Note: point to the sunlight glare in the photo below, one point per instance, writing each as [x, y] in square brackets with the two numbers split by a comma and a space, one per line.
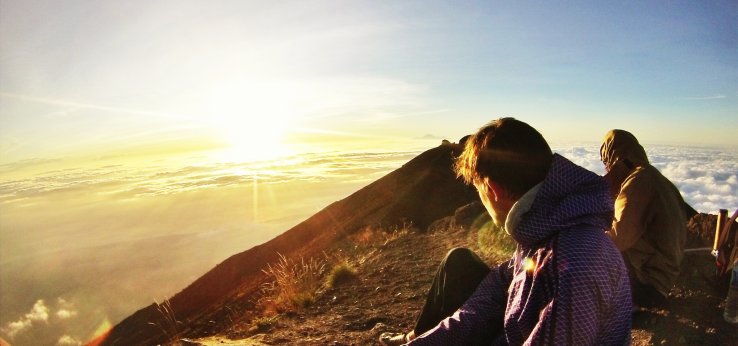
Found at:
[252, 121]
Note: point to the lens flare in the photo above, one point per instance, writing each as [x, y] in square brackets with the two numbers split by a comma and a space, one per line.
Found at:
[101, 333]
[529, 264]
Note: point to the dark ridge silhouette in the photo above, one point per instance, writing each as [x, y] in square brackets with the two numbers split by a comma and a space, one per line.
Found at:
[420, 192]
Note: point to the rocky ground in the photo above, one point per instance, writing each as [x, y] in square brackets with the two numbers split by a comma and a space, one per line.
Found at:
[386, 294]
[394, 274]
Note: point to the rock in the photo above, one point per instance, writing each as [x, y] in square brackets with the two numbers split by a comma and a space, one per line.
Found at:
[379, 328]
[466, 215]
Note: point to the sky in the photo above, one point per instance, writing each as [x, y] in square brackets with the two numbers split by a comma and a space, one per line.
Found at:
[173, 128]
[91, 77]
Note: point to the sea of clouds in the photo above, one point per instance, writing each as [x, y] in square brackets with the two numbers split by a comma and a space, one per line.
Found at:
[124, 181]
[706, 177]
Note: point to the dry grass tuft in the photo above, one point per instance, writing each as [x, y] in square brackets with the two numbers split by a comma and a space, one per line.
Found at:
[294, 284]
[375, 235]
[169, 325]
[341, 272]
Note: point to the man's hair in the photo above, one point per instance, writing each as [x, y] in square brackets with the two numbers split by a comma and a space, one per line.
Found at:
[509, 152]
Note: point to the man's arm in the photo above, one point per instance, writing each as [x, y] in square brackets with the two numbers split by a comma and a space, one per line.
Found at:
[480, 317]
[631, 209]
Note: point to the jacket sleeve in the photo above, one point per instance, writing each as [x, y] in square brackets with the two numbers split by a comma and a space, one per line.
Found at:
[479, 318]
[631, 210]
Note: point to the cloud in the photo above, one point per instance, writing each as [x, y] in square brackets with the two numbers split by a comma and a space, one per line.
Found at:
[16, 327]
[67, 340]
[712, 97]
[65, 314]
[39, 313]
[587, 156]
[19, 165]
[707, 178]
[65, 310]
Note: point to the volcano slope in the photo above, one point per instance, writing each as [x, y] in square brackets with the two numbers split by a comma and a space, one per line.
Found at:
[394, 233]
[421, 191]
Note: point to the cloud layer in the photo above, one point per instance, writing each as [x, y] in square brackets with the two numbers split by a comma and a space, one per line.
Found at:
[707, 178]
[131, 182]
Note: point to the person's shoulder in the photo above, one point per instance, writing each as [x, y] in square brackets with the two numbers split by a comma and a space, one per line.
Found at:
[642, 178]
[649, 178]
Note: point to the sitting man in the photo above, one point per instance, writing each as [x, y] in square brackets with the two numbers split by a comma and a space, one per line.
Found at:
[566, 282]
[650, 226]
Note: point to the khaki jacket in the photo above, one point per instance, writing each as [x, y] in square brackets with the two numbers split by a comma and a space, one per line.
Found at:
[650, 225]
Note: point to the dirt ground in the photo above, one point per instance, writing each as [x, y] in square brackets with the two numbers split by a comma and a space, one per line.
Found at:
[393, 279]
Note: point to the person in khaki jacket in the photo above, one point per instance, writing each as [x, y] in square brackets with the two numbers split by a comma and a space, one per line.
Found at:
[650, 222]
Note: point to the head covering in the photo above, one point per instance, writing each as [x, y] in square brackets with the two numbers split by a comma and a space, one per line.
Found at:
[619, 145]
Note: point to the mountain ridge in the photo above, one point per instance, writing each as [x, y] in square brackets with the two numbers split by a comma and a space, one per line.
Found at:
[420, 192]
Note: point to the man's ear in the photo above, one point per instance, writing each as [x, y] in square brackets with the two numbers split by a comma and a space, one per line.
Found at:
[494, 190]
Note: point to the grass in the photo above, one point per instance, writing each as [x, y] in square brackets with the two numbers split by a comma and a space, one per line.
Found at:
[374, 235]
[341, 272]
[398, 231]
[294, 284]
[169, 325]
[263, 324]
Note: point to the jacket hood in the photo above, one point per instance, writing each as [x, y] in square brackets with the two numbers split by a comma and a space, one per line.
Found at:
[570, 197]
[619, 145]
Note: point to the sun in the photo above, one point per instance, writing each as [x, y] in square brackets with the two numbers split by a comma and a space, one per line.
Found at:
[253, 123]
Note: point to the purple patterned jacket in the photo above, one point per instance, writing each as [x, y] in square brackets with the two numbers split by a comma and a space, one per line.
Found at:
[566, 283]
